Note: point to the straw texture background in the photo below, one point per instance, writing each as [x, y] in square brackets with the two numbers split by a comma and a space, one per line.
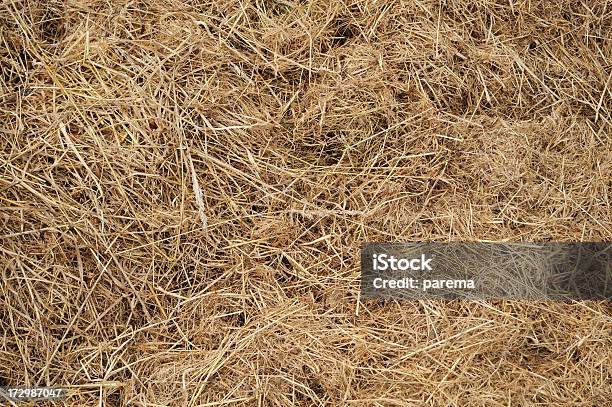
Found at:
[184, 187]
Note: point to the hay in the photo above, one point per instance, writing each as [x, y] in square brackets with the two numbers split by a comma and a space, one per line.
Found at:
[184, 187]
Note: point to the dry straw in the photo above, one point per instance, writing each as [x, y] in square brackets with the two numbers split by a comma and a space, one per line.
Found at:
[143, 274]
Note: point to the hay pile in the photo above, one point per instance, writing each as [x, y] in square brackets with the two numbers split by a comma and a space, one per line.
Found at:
[184, 187]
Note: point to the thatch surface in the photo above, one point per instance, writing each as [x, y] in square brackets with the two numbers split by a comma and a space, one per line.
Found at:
[184, 189]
